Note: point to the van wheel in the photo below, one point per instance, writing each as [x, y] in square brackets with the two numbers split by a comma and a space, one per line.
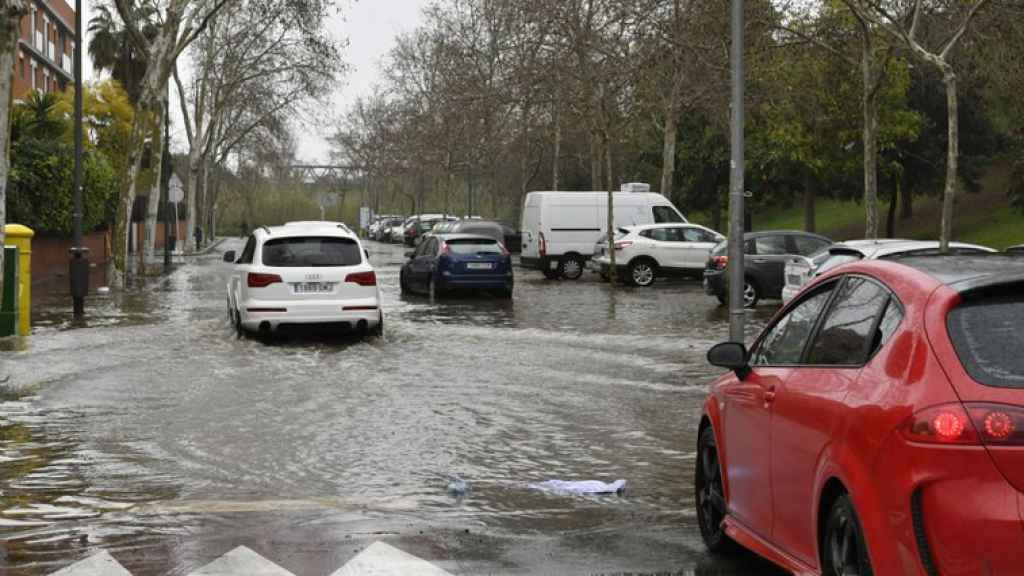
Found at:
[642, 272]
[572, 267]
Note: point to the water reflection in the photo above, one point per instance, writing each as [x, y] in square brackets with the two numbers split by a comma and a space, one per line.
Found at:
[170, 425]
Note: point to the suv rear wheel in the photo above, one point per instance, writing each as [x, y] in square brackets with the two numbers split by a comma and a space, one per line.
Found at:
[642, 272]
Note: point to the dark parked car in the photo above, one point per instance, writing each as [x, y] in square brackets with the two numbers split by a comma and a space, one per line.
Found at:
[1017, 250]
[445, 263]
[766, 254]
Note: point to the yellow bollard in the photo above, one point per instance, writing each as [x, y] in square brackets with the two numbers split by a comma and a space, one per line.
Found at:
[21, 236]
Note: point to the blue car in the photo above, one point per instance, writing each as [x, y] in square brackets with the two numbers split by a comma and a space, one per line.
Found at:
[445, 263]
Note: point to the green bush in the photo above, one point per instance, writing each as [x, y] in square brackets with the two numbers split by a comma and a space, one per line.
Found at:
[39, 188]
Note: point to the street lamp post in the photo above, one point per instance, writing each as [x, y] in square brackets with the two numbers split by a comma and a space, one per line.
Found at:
[78, 271]
[736, 188]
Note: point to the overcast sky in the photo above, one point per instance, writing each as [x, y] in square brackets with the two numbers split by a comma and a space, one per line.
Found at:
[370, 27]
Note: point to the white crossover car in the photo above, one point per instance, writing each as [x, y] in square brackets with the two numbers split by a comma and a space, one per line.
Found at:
[801, 270]
[303, 273]
[643, 253]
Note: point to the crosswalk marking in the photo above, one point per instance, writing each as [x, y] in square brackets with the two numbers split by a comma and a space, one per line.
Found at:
[101, 564]
[240, 561]
[380, 559]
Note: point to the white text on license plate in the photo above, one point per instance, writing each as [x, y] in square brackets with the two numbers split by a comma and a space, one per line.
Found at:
[479, 266]
[313, 287]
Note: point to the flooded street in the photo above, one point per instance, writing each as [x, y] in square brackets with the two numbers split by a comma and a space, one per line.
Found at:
[151, 432]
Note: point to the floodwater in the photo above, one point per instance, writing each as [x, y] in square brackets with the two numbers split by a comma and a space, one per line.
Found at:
[150, 431]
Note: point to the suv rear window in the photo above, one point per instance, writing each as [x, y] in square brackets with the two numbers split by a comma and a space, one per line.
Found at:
[469, 246]
[311, 251]
[987, 336]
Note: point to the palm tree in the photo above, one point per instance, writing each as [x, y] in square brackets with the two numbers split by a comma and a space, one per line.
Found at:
[111, 47]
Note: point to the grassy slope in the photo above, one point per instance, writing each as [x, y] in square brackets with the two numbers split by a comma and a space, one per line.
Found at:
[982, 218]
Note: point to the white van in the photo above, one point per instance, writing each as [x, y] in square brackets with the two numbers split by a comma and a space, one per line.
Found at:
[561, 228]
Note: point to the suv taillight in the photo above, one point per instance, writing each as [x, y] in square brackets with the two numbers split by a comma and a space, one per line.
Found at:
[972, 423]
[362, 278]
[623, 244]
[261, 280]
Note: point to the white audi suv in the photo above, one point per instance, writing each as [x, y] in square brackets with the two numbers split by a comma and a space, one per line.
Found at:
[303, 273]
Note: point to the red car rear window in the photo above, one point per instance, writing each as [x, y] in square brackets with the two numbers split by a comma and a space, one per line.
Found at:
[989, 340]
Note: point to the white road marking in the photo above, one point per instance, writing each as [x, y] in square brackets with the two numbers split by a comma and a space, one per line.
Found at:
[101, 564]
[241, 561]
[380, 559]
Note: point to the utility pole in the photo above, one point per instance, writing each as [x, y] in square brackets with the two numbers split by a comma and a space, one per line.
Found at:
[736, 186]
[78, 267]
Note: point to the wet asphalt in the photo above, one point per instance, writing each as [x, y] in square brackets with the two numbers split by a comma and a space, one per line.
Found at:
[150, 431]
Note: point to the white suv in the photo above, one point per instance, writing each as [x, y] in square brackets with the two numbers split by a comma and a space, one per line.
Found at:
[303, 273]
[643, 253]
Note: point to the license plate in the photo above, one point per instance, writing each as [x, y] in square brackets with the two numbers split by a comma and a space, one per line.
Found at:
[479, 266]
[312, 287]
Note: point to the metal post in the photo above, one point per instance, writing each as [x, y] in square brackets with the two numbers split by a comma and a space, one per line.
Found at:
[165, 182]
[78, 267]
[736, 268]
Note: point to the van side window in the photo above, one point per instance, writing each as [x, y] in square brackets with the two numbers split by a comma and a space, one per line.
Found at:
[666, 214]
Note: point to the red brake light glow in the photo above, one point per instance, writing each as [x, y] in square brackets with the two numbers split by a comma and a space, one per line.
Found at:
[261, 280]
[720, 262]
[998, 425]
[981, 423]
[362, 278]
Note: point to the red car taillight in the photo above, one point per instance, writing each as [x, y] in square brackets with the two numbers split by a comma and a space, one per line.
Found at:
[623, 244]
[445, 249]
[362, 278]
[979, 423]
[261, 280]
[720, 262]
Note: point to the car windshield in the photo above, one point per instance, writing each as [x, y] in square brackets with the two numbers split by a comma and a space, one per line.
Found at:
[470, 246]
[987, 337]
[310, 251]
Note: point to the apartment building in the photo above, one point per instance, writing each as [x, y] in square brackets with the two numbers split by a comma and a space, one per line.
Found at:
[45, 49]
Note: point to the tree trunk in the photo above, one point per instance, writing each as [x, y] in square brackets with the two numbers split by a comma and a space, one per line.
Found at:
[809, 197]
[557, 154]
[153, 201]
[953, 153]
[869, 104]
[890, 222]
[607, 153]
[906, 200]
[10, 27]
[716, 209]
[122, 223]
[595, 161]
[668, 152]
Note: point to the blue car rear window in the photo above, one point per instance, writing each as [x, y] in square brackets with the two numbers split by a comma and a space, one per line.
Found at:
[471, 246]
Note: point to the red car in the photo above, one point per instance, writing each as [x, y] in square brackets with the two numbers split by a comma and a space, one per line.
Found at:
[876, 426]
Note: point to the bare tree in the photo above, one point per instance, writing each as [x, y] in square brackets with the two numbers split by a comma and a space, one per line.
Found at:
[11, 13]
[903, 21]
